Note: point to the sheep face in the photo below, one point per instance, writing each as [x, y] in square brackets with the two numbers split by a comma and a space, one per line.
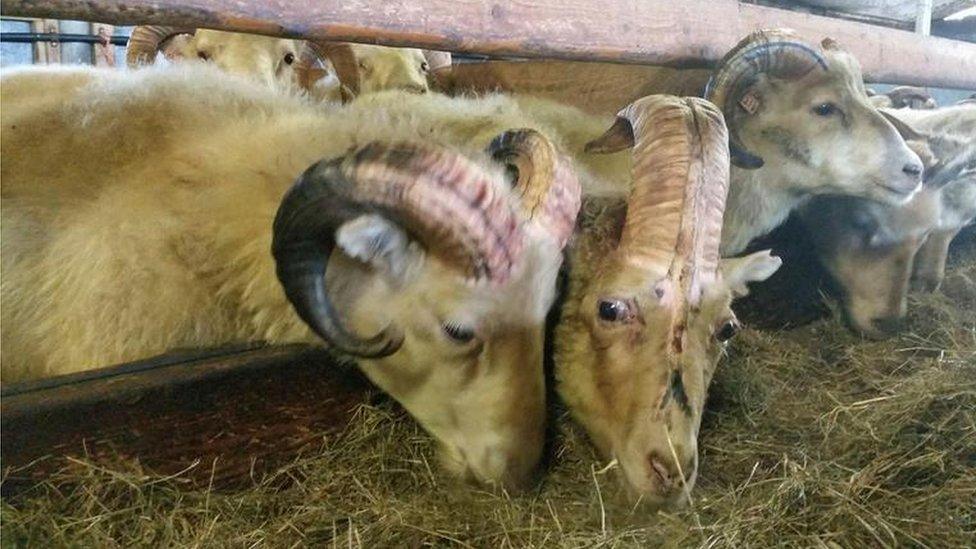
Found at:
[269, 60]
[874, 251]
[805, 113]
[648, 309]
[454, 269]
[381, 68]
[869, 249]
[470, 366]
[641, 402]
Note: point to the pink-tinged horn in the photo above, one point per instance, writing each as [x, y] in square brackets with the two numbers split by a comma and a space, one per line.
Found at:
[146, 40]
[776, 52]
[547, 185]
[439, 197]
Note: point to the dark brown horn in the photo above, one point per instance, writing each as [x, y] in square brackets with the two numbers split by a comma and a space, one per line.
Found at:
[910, 96]
[146, 40]
[438, 196]
[546, 184]
[776, 52]
[343, 60]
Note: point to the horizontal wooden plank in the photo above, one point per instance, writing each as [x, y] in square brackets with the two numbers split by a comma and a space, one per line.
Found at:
[691, 33]
[598, 88]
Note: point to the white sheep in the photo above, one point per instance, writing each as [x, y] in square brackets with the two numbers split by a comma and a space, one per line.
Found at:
[148, 235]
[327, 70]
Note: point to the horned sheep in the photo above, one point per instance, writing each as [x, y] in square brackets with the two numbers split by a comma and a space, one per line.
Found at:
[876, 252]
[800, 125]
[151, 235]
[647, 311]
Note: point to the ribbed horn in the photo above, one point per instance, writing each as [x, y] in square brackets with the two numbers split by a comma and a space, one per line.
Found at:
[343, 60]
[546, 184]
[680, 183]
[776, 52]
[146, 40]
[437, 196]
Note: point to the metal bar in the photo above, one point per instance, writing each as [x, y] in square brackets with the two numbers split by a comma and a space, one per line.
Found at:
[31, 37]
[923, 21]
[691, 33]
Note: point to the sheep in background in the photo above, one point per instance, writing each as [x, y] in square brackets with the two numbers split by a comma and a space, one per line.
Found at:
[800, 125]
[406, 248]
[327, 70]
[875, 251]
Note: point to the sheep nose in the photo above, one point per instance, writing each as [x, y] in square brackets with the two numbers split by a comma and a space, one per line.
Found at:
[666, 473]
[913, 169]
[889, 325]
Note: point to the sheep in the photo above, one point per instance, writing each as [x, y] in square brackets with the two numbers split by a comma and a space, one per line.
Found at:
[902, 97]
[352, 69]
[274, 61]
[876, 252]
[147, 236]
[647, 311]
[800, 125]
[801, 110]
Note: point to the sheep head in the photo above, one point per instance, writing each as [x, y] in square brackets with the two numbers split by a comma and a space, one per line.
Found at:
[872, 250]
[365, 68]
[648, 309]
[274, 61]
[804, 113]
[451, 270]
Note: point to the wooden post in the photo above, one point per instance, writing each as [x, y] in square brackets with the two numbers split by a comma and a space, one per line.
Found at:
[690, 33]
[923, 21]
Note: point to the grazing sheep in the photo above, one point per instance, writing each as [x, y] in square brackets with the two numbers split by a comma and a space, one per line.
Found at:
[402, 244]
[648, 307]
[874, 251]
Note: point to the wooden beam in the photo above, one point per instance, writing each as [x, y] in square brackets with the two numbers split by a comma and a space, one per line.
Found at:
[691, 33]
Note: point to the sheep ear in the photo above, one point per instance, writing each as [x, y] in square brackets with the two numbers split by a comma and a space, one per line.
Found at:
[738, 272]
[620, 136]
[907, 132]
[383, 245]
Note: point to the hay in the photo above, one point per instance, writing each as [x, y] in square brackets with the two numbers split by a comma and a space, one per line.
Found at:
[813, 438]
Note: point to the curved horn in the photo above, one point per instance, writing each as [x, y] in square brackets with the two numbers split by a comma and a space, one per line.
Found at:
[343, 60]
[146, 40]
[910, 96]
[776, 52]
[546, 184]
[680, 183]
[438, 196]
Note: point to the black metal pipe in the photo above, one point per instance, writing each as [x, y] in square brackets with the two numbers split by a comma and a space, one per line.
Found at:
[31, 37]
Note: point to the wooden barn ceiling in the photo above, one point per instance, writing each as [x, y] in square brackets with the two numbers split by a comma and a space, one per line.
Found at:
[901, 10]
[895, 13]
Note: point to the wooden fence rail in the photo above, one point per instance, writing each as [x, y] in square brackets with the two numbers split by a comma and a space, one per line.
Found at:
[690, 33]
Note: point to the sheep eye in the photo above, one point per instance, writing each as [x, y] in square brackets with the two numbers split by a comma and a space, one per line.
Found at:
[727, 331]
[825, 109]
[289, 58]
[613, 310]
[203, 55]
[459, 334]
[424, 66]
